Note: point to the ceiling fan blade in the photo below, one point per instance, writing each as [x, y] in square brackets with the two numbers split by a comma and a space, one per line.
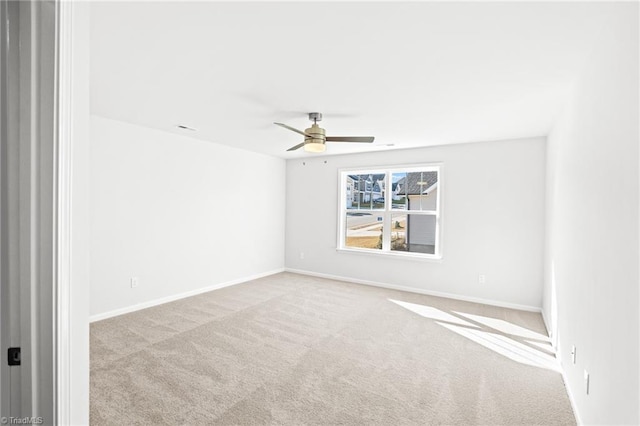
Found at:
[365, 139]
[292, 129]
[293, 148]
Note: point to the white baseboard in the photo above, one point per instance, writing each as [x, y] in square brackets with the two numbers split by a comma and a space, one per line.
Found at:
[418, 290]
[179, 296]
[547, 325]
[574, 407]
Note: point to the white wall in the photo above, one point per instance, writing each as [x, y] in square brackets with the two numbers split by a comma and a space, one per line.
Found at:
[591, 259]
[178, 213]
[493, 221]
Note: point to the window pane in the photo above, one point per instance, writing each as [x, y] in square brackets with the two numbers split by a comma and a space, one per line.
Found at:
[364, 230]
[415, 190]
[414, 233]
[364, 191]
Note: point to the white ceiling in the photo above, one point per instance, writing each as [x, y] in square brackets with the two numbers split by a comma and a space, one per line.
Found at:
[410, 74]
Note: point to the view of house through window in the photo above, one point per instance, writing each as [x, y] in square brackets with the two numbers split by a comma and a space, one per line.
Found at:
[391, 210]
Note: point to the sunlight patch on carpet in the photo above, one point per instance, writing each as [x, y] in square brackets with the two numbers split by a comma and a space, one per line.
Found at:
[505, 327]
[431, 313]
[507, 347]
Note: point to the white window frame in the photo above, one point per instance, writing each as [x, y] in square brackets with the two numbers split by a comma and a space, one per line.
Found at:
[388, 211]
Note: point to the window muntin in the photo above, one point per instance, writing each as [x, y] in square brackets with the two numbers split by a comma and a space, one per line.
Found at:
[391, 210]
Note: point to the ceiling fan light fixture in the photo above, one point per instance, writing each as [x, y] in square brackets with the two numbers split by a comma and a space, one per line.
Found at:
[314, 146]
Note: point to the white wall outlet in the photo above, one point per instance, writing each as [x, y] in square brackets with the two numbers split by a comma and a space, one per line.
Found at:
[573, 354]
[301, 255]
[482, 279]
[134, 282]
[586, 381]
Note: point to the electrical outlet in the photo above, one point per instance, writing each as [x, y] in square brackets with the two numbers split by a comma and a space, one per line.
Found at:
[586, 381]
[573, 354]
[482, 279]
[134, 282]
[301, 255]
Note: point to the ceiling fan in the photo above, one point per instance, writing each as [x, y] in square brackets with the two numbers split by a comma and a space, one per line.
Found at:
[315, 137]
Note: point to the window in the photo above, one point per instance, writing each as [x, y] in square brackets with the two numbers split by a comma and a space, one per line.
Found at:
[392, 210]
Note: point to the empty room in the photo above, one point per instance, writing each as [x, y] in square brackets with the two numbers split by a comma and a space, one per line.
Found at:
[410, 213]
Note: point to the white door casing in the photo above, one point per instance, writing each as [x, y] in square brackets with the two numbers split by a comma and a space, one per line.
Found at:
[28, 181]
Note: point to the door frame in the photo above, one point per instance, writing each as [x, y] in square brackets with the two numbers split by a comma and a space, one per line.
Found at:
[73, 217]
[29, 196]
[44, 200]
[63, 296]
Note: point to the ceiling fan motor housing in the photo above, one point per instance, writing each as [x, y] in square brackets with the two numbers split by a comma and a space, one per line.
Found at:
[317, 134]
[315, 143]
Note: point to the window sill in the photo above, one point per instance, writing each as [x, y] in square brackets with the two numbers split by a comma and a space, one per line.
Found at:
[407, 256]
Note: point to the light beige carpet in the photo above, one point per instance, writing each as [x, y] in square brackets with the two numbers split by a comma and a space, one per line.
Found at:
[291, 349]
